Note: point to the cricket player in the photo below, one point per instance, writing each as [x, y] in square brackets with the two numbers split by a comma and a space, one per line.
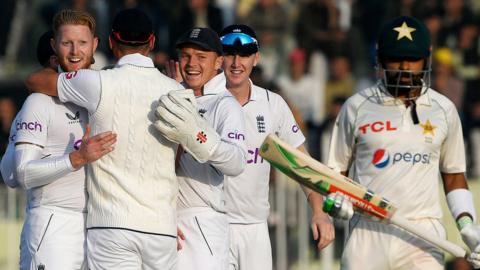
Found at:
[46, 57]
[132, 191]
[400, 138]
[201, 204]
[49, 150]
[247, 194]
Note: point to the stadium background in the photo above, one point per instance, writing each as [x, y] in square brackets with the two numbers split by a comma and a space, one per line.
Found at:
[315, 53]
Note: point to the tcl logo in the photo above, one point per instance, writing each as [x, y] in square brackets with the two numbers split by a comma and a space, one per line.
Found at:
[377, 127]
[254, 156]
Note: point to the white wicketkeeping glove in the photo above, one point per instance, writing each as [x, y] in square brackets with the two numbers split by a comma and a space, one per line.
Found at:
[180, 122]
[471, 236]
[338, 205]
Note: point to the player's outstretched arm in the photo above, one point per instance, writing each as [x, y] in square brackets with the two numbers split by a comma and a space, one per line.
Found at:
[460, 202]
[32, 169]
[321, 224]
[43, 81]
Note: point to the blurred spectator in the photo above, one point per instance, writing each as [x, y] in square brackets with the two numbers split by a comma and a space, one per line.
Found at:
[270, 21]
[318, 27]
[458, 264]
[444, 78]
[433, 21]
[7, 114]
[326, 128]
[341, 82]
[455, 14]
[195, 13]
[306, 93]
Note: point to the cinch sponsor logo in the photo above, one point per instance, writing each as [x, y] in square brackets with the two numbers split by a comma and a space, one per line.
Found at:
[77, 144]
[377, 126]
[34, 126]
[295, 128]
[236, 136]
[381, 158]
[254, 156]
[70, 75]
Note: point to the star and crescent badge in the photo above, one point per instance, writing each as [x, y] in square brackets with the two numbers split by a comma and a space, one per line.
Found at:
[428, 128]
[404, 31]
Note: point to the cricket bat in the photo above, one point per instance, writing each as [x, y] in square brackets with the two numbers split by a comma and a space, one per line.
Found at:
[320, 178]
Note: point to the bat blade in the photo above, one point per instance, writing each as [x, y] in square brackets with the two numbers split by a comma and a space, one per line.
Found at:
[320, 178]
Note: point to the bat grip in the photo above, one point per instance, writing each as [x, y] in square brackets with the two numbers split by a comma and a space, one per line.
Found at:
[446, 245]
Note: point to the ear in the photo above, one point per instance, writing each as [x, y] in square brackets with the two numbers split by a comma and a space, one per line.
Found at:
[110, 43]
[151, 43]
[95, 43]
[52, 44]
[218, 62]
[257, 59]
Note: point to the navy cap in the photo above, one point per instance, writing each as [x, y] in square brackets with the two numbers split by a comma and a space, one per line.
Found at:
[239, 38]
[132, 27]
[44, 49]
[206, 38]
[404, 37]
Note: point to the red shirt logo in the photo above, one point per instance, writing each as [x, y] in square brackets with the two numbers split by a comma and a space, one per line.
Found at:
[377, 126]
[70, 75]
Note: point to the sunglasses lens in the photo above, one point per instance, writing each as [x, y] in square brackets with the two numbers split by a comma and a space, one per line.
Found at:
[237, 38]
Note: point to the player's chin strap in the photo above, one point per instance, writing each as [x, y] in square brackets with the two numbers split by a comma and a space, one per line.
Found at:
[414, 113]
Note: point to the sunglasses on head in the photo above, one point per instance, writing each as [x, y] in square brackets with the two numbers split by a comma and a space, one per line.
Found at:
[235, 38]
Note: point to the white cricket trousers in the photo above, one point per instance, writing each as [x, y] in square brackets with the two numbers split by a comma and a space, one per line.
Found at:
[206, 239]
[250, 247]
[375, 246]
[123, 249]
[53, 238]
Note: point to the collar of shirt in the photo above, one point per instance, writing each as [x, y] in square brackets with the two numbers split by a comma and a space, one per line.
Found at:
[135, 59]
[254, 91]
[388, 99]
[216, 85]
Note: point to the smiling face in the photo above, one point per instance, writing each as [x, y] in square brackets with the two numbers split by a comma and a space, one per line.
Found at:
[238, 68]
[198, 66]
[74, 45]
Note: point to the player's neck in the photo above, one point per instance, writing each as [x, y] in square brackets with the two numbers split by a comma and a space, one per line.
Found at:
[241, 92]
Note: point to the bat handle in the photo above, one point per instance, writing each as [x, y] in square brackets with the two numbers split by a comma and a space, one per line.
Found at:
[446, 245]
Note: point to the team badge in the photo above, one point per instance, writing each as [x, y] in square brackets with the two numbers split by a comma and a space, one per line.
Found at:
[381, 157]
[404, 31]
[428, 128]
[261, 124]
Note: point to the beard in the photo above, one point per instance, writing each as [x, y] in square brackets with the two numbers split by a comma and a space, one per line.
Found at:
[403, 83]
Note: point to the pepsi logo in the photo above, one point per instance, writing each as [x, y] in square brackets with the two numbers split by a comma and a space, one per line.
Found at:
[381, 157]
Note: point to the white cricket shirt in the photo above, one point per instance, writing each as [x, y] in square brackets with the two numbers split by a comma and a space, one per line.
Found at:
[134, 187]
[247, 193]
[392, 156]
[7, 166]
[58, 128]
[201, 184]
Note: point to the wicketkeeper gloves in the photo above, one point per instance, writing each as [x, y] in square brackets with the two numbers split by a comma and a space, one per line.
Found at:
[180, 122]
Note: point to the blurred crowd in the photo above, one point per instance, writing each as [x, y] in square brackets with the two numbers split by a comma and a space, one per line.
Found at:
[316, 53]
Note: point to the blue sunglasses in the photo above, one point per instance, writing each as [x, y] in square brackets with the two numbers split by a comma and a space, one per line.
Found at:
[235, 38]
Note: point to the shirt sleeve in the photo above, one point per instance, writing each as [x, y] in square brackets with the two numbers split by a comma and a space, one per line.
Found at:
[32, 123]
[7, 165]
[452, 153]
[82, 88]
[287, 128]
[342, 142]
[230, 155]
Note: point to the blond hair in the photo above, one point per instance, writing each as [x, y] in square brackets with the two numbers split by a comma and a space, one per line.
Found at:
[75, 17]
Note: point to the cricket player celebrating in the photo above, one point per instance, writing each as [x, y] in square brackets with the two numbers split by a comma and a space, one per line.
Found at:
[247, 194]
[49, 152]
[132, 191]
[46, 57]
[399, 138]
[201, 204]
